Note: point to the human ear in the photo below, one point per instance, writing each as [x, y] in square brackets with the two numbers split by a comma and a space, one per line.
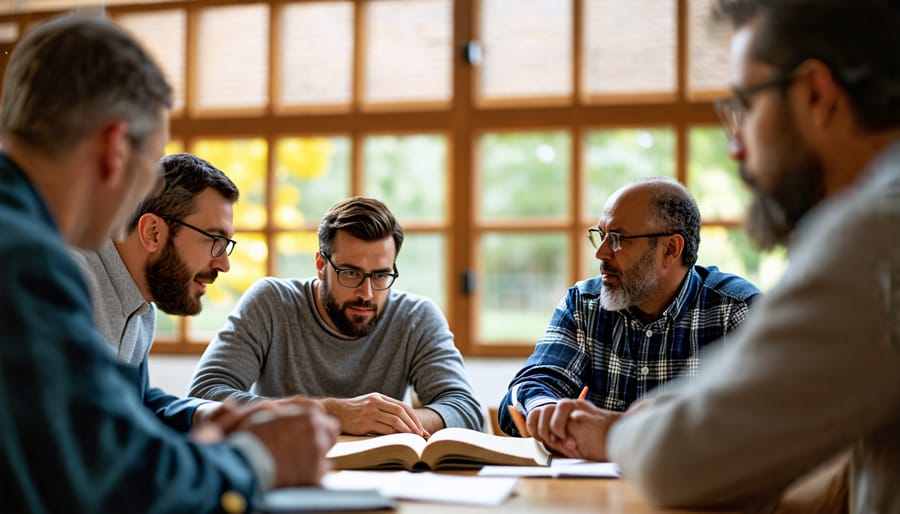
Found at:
[114, 154]
[152, 232]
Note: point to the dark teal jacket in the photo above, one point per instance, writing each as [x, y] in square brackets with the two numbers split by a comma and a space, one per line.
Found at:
[75, 435]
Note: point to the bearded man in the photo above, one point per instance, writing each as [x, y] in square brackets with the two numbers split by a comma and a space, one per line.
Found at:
[638, 324]
[177, 243]
[345, 338]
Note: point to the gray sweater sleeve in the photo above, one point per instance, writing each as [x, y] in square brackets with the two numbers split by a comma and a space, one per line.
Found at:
[237, 354]
[437, 373]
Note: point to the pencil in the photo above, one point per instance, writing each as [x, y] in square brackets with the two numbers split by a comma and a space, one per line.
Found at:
[519, 421]
[584, 392]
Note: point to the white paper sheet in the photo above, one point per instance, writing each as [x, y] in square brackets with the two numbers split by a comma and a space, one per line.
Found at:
[426, 486]
[559, 468]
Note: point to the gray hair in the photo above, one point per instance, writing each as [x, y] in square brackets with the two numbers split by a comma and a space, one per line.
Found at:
[70, 76]
[673, 209]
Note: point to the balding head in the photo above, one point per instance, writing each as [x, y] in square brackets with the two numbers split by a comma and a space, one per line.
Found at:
[664, 205]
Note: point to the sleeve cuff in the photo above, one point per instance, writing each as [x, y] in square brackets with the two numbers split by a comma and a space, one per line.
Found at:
[258, 456]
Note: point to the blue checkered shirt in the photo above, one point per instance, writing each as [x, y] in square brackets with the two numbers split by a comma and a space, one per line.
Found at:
[619, 358]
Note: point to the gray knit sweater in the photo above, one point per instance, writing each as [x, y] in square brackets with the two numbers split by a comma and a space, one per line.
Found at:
[275, 344]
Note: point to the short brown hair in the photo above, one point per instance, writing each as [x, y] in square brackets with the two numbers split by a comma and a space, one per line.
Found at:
[364, 218]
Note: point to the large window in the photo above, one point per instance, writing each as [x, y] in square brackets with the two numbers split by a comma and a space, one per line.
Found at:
[494, 129]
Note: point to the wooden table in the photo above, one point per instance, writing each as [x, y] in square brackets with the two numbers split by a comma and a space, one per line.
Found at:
[553, 496]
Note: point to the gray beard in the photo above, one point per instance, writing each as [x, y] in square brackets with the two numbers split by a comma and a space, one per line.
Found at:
[635, 285]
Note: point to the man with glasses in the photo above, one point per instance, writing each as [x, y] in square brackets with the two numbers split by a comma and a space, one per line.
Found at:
[345, 338]
[166, 262]
[638, 324]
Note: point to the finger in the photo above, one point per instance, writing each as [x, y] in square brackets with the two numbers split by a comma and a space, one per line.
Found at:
[400, 416]
[559, 420]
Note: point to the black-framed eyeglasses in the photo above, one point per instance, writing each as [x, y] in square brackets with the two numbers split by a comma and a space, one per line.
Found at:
[597, 236]
[731, 110]
[221, 245]
[353, 278]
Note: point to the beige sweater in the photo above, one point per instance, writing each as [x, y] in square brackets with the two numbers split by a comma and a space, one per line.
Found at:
[813, 372]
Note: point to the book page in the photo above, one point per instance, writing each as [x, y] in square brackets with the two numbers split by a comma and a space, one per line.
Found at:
[402, 450]
[460, 445]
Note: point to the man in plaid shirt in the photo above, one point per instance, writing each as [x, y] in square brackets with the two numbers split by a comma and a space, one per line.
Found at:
[638, 324]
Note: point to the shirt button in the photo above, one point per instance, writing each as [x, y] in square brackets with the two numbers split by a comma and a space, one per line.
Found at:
[645, 370]
[648, 333]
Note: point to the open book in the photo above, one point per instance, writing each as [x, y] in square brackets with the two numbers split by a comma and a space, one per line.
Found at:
[447, 448]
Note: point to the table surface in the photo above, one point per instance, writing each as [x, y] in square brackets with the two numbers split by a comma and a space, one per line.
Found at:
[553, 495]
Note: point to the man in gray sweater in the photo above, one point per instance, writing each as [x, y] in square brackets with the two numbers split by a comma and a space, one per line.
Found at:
[345, 338]
[814, 123]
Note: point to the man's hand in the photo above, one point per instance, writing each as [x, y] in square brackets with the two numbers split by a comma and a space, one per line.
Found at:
[298, 437]
[573, 428]
[214, 420]
[373, 413]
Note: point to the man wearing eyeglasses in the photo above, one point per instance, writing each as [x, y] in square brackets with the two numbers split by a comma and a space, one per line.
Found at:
[640, 323]
[345, 338]
[814, 124]
[166, 262]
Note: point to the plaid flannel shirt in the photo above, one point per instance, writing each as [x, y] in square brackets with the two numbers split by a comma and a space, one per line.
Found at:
[619, 358]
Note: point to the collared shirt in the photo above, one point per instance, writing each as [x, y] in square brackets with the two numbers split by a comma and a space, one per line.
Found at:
[617, 356]
[124, 317]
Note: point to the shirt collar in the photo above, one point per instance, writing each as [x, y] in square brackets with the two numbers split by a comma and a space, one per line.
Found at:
[126, 289]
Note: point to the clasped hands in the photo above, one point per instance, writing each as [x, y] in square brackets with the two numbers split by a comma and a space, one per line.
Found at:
[572, 428]
[296, 431]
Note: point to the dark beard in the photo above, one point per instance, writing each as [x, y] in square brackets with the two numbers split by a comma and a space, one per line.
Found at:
[169, 280]
[797, 186]
[355, 327]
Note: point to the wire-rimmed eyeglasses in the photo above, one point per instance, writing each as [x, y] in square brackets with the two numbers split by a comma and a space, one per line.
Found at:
[731, 110]
[597, 236]
[353, 278]
[221, 245]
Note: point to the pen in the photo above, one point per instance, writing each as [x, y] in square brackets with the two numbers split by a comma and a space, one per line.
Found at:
[519, 421]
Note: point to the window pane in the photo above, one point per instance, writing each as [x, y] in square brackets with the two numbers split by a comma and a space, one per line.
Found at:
[244, 162]
[166, 326]
[409, 47]
[524, 175]
[173, 146]
[709, 46]
[409, 174]
[523, 276]
[248, 263]
[733, 252]
[629, 46]
[615, 158]
[296, 254]
[316, 53]
[311, 174]
[168, 50]
[713, 177]
[423, 267]
[527, 49]
[233, 57]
